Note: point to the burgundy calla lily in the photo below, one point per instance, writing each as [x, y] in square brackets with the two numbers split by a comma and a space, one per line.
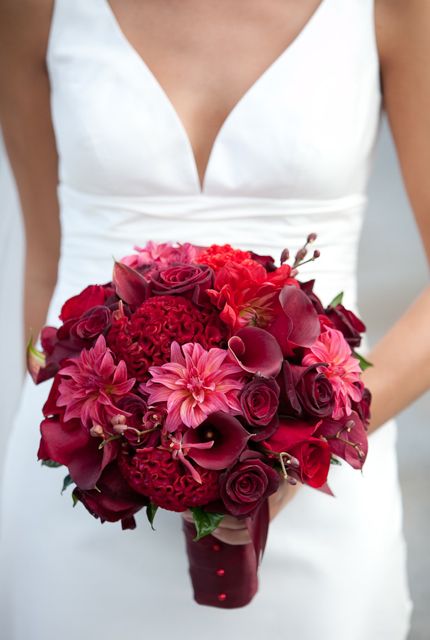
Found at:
[70, 444]
[130, 285]
[299, 324]
[256, 351]
[229, 440]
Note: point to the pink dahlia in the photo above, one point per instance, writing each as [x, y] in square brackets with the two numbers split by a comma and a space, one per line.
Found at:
[161, 253]
[91, 385]
[194, 384]
[343, 369]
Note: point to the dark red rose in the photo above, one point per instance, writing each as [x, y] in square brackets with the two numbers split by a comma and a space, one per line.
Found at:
[299, 441]
[113, 499]
[91, 296]
[244, 486]
[259, 400]
[92, 323]
[347, 438]
[347, 322]
[305, 391]
[187, 280]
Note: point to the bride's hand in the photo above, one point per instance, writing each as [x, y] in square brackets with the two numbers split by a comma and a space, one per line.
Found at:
[234, 530]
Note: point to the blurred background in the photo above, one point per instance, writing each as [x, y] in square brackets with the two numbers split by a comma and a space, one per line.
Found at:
[392, 271]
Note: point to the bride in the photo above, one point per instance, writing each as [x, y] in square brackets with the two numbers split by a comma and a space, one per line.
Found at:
[245, 122]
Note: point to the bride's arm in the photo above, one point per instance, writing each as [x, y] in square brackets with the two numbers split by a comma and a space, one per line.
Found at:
[26, 122]
[401, 371]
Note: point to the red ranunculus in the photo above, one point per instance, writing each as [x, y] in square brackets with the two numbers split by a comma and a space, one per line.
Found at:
[245, 485]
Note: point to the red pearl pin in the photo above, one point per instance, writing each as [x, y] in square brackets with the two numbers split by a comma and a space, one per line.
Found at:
[220, 572]
[216, 547]
[222, 597]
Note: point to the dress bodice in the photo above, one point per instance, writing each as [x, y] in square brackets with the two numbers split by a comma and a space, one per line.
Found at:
[293, 155]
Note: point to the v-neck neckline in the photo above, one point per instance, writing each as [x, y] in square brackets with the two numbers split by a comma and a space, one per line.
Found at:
[201, 186]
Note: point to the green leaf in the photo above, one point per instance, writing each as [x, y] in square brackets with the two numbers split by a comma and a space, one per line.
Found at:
[205, 522]
[151, 510]
[336, 300]
[66, 483]
[364, 364]
[51, 463]
[75, 499]
[335, 461]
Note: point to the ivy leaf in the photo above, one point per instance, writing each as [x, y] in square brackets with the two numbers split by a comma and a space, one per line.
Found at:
[336, 300]
[51, 464]
[335, 461]
[364, 364]
[151, 510]
[66, 483]
[205, 522]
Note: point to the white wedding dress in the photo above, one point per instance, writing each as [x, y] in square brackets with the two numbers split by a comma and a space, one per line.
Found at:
[293, 157]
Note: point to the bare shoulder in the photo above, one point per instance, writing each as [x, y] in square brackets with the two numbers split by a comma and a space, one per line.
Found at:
[402, 31]
[24, 30]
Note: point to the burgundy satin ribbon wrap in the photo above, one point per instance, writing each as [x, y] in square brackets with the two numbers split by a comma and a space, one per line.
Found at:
[225, 575]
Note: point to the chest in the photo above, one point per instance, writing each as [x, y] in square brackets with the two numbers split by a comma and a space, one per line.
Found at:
[287, 108]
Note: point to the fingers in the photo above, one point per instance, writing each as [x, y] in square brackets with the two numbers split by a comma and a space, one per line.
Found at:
[232, 536]
[231, 530]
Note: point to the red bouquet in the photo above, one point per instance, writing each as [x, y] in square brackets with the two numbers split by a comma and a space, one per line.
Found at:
[201, 378]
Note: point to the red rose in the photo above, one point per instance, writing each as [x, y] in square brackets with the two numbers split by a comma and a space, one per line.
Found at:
[187, 280]
[298, 440]
[247, 484]
[347, 322]
[259, 400]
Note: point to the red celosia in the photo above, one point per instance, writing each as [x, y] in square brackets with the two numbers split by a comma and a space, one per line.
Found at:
[166, 481]
[144, 339]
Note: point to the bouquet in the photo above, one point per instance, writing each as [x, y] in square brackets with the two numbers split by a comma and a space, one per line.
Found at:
[199, 379]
